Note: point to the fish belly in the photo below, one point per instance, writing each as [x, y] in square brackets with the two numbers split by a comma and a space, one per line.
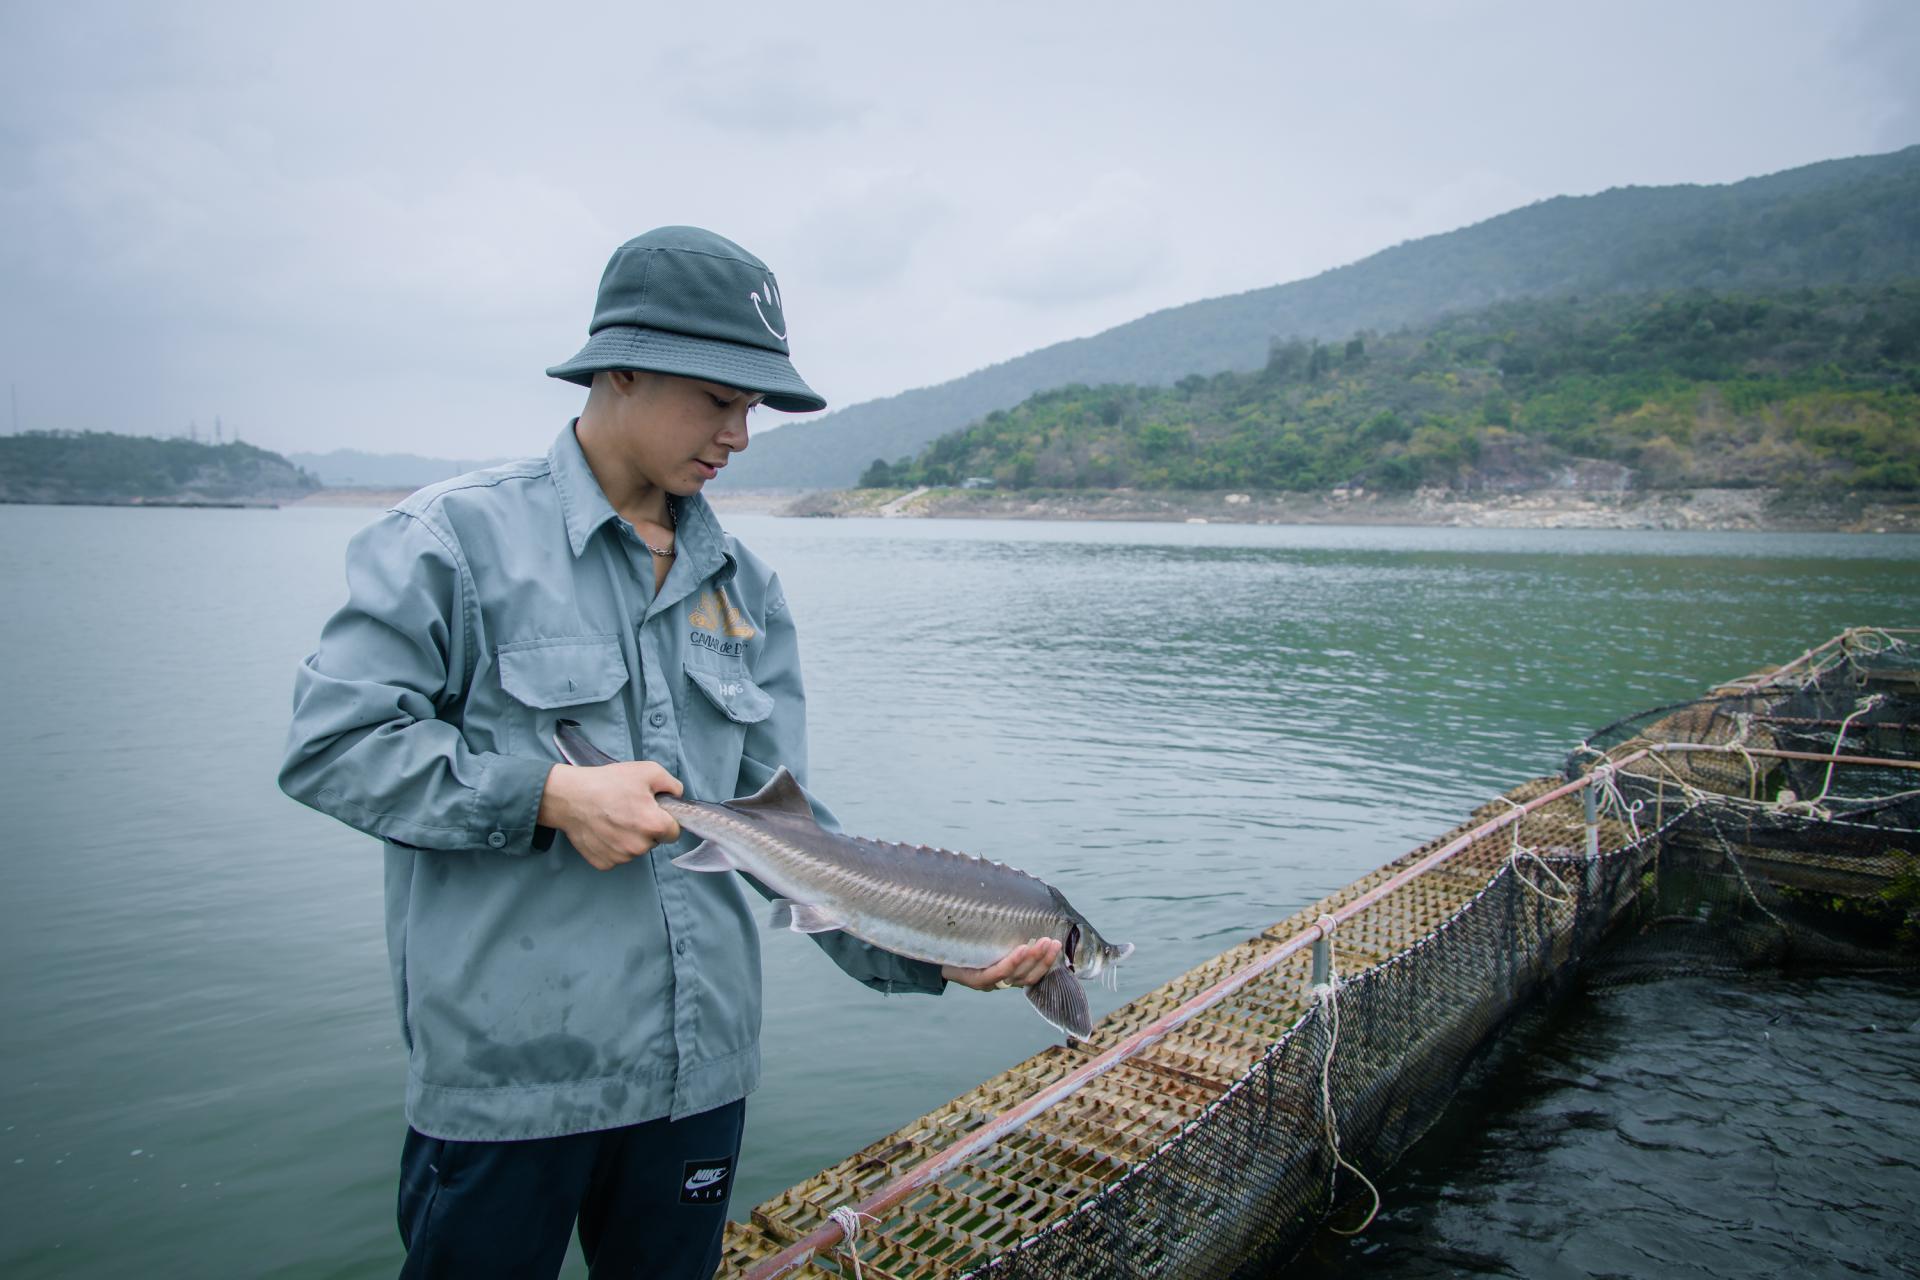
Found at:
[964, 943]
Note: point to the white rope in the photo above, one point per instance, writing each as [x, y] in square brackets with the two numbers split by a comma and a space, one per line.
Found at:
[847, 1218]
[1818, 669]
[1329, 999]
[1860, 708]
[1695, 796]
[1519, 851]
[1606, 778]
[1513, 860]
[1743, 722]
[1872, 641]
[1745, 883]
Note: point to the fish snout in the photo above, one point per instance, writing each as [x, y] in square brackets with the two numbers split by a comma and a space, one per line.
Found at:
[1095, 957]
[1110, 956]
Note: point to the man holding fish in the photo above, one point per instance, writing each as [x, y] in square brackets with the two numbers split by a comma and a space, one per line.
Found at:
[528, 657]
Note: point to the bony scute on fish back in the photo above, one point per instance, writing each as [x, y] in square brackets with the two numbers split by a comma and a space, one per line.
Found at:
[925, 903]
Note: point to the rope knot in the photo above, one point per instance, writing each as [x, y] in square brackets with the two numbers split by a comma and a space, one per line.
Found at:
[847, 1218]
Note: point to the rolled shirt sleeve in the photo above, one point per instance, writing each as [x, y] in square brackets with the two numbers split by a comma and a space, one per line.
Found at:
[781, 739]
[367, 744]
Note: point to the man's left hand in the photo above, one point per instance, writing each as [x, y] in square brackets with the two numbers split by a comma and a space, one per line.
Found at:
[1020, 967]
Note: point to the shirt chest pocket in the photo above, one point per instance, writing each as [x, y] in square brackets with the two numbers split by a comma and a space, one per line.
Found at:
[566, 678]
[722, 702]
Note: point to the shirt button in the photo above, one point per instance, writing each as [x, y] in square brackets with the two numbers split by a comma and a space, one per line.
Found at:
[497, 840]
[657, 719]
[680, 947]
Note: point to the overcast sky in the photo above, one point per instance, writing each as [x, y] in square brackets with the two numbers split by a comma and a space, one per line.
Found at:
[374, 225]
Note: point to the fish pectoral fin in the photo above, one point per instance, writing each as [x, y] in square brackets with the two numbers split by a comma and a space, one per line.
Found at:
[1060, 999]
[781, 795]
[803, 917]
[705, 856]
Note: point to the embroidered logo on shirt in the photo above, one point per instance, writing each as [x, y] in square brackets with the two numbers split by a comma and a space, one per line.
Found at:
[705, 1181]
[714, 612]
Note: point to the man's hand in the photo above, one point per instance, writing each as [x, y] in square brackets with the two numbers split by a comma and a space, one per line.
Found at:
[608, 810]
[1020, 967]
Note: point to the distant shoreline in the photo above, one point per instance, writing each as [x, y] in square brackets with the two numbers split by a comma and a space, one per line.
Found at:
[239, 504]
[1725, 510]
[353, 497]
[1720, 510]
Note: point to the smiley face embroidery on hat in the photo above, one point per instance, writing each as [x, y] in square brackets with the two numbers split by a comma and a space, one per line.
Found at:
[669, 302]
[772, 300]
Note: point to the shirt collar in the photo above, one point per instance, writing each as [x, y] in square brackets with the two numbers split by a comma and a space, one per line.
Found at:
[586, 508]
[698, 538]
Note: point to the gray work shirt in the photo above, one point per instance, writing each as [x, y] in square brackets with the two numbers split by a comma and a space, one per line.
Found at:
[538, 996]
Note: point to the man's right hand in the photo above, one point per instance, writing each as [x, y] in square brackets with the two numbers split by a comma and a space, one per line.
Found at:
[608, 811]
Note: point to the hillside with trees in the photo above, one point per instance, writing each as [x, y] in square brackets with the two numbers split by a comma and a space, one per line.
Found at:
[104, 467]
[1808, 388]
[1853, 221]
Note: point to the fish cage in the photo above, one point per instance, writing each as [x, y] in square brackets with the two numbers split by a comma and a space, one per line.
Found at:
[1214, 1124]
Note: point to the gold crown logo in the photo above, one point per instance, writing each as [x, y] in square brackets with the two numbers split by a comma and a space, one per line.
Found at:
[714, 612]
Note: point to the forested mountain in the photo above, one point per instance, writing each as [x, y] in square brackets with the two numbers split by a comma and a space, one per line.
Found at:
[1815, 388]
[102, 466]
[1841, 221]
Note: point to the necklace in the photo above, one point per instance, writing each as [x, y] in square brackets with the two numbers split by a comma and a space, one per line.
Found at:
[673, 526]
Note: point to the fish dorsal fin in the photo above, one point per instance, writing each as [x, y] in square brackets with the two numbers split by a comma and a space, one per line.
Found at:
[781, 795]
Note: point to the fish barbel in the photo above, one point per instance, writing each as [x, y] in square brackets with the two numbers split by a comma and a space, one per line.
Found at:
[915, 901]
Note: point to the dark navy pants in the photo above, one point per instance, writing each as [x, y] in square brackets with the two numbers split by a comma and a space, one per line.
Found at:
[650, 1200]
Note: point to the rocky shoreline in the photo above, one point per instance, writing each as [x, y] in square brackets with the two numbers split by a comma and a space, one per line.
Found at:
[1700, 509]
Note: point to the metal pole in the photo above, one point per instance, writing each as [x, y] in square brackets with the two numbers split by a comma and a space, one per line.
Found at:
[1591, 803]
[1768, 753]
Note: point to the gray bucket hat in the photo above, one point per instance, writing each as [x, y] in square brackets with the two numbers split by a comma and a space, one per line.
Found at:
[686, 301]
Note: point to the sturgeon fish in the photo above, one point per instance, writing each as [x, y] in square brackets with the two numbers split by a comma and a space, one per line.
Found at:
[915, 901]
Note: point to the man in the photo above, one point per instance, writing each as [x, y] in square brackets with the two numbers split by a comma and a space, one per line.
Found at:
[581, 1016]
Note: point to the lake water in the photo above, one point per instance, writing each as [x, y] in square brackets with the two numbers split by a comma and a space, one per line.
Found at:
[1194, 730]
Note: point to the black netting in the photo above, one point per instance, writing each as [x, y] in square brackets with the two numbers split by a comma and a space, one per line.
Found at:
[1862, 700]
[1252, 1178]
